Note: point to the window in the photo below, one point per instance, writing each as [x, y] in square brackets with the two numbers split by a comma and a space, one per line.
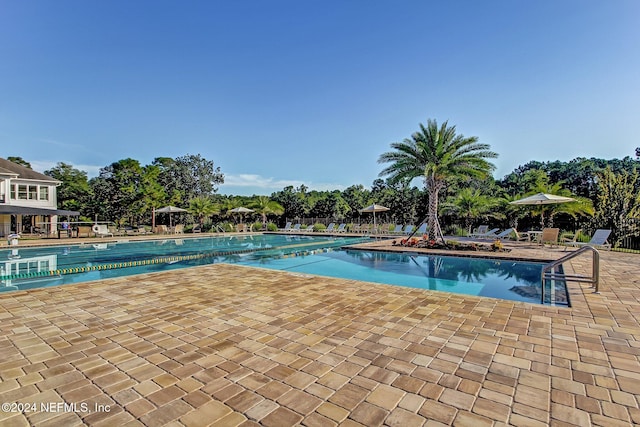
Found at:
[13, 192]
[44, 193]
[33, 192]
[22, 192]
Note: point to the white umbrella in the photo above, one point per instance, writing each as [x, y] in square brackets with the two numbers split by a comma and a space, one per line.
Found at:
[241, 210]
[170, 210]
[374, 208]
[542, 199]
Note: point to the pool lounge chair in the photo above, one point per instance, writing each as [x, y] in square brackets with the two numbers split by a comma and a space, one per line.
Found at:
[287, 227]
[330, 228]
[296, 228]
[599, 240]
[482, 229]
[397, 229]
[101, 230]
[486, 235]
[422, 229]
[408, 229]
[506, 234]
[341, 228]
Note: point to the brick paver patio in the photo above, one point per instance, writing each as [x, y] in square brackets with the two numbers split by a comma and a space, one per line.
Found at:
[229, 345]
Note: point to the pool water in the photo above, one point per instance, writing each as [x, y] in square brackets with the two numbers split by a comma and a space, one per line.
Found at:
[318, 255]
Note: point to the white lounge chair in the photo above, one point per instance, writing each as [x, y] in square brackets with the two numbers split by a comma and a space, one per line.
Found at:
[287, 227]
[408, 229]
[422, 229]
[486, 235]
[101, 230]
[482, 229]
[330, 228]
[397, 229]
[599, 239]
[341, 228]
[295, 228]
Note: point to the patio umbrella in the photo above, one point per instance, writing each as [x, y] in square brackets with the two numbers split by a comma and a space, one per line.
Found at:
[542, 199]
[241, 210]
[170, 210]
[374, 208]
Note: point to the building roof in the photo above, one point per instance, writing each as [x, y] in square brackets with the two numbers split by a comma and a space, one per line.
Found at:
[23, 172]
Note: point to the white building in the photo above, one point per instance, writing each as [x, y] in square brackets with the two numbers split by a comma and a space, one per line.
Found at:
[28, 201]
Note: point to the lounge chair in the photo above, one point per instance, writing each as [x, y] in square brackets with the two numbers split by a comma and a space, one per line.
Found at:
[569, 238]
[599, 239]
[486, 235]
[506, 234]
[196, 229]
[408, 229]
[330, 228]
[287, 227]
[341, 228]
[519, 237]
[178, 229]
[295, 228]
[397, 229]
[422, 229]
[482, 229]
[550, 236]
[309, 229]
[101, 230]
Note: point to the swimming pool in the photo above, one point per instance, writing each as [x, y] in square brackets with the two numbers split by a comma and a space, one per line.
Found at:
[28, 268]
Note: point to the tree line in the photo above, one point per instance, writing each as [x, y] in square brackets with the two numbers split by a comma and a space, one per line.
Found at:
[457, 191]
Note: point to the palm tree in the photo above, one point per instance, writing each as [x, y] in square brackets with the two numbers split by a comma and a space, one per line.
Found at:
[471, 204]
[437, 154]
[264, 206]
[582, 205]
[202, 207]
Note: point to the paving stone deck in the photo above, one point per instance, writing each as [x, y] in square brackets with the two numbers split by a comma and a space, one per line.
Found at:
[235, 346]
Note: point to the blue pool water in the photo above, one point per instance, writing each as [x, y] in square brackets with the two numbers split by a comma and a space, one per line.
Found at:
[50, 266]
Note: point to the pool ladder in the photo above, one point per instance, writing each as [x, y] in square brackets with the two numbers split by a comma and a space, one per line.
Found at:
[594, 279]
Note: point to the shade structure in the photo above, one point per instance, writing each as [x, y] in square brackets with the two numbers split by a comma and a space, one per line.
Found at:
[170, 210]
[542, 199]
[373, 209]
[241, 210]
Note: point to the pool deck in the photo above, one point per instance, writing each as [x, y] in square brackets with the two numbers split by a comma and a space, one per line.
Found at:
[229, 345]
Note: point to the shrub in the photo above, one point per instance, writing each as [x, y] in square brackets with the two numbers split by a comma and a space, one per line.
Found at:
[272, 227]
[319, 227]
[257, 226]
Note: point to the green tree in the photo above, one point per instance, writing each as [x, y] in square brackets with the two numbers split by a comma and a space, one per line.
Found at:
[19, 161]
[264, 206]
[188, 177]
[74, 192]
[437, 154]
[470, 204]
[618, 201]
[202, 207]
[117, 191]
[538, 182]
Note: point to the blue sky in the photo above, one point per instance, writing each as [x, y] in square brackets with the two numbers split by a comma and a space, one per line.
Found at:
[283, 93]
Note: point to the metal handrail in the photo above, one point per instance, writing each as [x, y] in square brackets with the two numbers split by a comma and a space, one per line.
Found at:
[594, 279]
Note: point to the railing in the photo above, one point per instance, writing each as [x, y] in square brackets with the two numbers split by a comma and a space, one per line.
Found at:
[594, 279]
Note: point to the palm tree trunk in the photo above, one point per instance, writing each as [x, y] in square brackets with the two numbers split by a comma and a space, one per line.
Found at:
[433, 225]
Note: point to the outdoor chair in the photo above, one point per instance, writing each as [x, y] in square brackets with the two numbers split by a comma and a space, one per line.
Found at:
[330, 228]
[482, 229]
[408, 229]
[486, 235]
[570, 238]
[101, 230]
[397, 229]
[599, 239]
[341, 228]
[422, 230]
[287, 227]
[550, 236]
